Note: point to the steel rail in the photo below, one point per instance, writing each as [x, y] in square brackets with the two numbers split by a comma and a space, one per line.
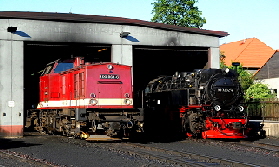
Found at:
[174, 157]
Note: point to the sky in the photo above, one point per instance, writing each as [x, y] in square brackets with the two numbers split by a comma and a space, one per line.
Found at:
[240, 18]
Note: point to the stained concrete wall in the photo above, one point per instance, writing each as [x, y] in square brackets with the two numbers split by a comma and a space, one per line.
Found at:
[122, 54]
[11, 53]
[11, 88]
[34, 30]
[50, 31]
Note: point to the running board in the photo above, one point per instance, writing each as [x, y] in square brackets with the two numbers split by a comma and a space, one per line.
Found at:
[101, 138]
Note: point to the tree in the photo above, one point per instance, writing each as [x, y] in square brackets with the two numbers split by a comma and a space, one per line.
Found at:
[177, 12]
[245, 77]
[258, 91]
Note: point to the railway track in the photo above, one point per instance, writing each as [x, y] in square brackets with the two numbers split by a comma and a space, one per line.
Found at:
[266, 148]
[173, 157]
[262, 147]
[166, 155]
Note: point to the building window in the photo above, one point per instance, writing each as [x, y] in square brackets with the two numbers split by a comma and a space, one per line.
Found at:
[273, 91]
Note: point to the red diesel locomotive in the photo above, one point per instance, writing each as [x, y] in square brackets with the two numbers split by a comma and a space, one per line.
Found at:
[79, 98]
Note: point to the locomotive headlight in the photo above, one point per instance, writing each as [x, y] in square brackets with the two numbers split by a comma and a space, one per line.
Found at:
[241, 108]
[92, 95]
[217, 108]
[110, 67]
[128, 101]
[227, 70]
[93, 102]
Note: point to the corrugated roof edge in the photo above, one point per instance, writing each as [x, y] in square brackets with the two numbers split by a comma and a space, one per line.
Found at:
[69, 17]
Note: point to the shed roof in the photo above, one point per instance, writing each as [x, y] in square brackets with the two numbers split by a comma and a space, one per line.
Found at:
[251, 52]
[69, 17]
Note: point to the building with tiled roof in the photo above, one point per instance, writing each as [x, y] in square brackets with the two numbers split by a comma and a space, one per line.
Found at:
[251, 53]
[269, 73]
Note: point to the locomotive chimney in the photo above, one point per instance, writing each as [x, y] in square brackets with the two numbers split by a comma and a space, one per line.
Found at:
[235, 65]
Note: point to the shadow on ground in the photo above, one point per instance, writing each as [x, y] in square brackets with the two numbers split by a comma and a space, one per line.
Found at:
[10, 143]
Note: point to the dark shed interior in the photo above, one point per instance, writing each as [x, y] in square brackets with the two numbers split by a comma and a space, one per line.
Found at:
[148, 62]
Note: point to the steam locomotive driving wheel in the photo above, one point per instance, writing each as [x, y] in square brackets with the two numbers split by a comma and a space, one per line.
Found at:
[193, 123]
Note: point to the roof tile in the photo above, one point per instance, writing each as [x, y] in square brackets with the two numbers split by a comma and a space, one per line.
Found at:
[249, 52]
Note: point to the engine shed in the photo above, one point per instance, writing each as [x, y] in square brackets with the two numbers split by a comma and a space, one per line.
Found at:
[30, 40]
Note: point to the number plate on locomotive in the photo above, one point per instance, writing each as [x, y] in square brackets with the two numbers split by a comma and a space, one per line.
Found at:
[109, 76]
[225, 90]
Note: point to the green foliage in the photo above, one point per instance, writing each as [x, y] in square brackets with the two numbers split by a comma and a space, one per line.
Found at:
[177, 12]
[245, 77]
[258, 91]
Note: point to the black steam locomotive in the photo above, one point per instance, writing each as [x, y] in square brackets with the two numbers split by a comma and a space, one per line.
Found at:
[207, 101]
